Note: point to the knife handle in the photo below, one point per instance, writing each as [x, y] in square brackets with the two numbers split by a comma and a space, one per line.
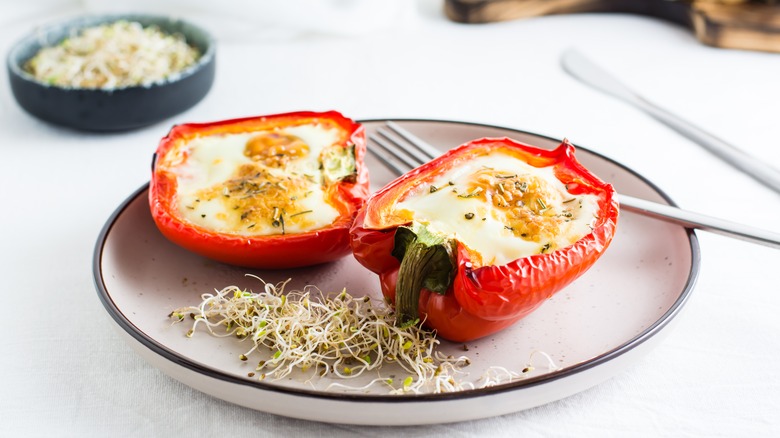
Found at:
[758, 170]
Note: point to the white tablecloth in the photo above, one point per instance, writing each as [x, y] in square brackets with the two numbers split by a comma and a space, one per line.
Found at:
[67, 373]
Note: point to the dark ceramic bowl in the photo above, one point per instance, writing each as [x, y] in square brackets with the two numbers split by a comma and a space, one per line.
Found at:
[118, 109]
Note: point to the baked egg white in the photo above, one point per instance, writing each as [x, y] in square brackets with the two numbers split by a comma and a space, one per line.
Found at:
[256, 183]
[501, 208]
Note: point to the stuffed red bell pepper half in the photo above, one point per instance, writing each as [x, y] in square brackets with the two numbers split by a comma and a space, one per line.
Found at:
[275, 191]
[478, 238]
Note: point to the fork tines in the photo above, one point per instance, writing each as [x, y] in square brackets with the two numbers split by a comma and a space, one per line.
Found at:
[399, 149]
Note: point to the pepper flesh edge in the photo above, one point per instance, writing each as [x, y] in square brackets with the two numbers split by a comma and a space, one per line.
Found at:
[486, 299]
[263, 251]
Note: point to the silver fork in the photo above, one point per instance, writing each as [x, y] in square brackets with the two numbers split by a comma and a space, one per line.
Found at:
[401, 151]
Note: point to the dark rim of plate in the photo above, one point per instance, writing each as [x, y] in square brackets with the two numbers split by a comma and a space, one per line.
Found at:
[182, 361]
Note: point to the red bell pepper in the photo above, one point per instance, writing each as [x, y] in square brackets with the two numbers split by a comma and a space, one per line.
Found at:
[345, 188]
[440, 281]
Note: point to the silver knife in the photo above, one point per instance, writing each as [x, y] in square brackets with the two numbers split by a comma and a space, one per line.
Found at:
[577, 65]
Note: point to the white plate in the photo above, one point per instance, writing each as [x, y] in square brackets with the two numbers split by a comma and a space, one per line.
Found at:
[593, 329]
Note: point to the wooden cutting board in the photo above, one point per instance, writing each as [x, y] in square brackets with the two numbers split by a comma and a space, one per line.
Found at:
[734, 24]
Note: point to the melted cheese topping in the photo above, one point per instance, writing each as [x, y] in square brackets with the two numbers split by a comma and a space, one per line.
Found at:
[502, 209]
[255, 183]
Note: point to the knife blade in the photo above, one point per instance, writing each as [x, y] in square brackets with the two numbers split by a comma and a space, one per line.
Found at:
[580, 67]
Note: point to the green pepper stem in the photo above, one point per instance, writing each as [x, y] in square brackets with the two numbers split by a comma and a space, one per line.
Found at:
[415, 267]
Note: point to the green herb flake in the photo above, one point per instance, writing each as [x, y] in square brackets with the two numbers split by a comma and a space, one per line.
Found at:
[472, 194]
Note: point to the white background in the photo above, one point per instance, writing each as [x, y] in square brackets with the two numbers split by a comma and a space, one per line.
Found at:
[67, 373]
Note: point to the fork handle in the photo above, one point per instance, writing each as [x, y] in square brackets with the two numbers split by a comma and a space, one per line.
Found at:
[651, 209]
[703, 222]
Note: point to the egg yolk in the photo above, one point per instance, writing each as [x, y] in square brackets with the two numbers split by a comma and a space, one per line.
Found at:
[275, 149]
[529, 203]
